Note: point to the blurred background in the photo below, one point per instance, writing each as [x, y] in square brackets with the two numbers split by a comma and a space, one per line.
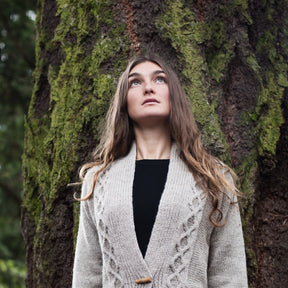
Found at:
[17, 38]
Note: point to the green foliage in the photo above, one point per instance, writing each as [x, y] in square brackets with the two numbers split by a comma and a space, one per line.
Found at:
[12, 274]
[16, 65]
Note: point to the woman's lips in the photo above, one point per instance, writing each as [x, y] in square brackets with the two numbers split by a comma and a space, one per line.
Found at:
[150, 100]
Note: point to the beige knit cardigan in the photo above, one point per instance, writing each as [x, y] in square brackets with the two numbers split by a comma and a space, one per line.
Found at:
[185, 249]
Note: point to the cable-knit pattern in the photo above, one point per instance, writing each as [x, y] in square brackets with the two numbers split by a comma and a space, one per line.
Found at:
[183, 247]
[111, 271]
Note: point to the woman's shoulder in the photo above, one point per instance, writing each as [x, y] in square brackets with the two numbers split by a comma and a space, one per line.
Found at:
[229, 196]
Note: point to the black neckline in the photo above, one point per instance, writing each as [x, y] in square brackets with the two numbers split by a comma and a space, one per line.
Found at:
[152, 160]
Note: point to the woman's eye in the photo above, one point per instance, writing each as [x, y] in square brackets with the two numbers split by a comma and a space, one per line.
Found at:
[160, 80]
[134, 83]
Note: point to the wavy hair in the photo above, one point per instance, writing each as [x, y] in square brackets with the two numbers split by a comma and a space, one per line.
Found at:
[118, 135]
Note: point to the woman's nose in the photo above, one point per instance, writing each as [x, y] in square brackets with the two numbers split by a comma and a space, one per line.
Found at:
[148, 88]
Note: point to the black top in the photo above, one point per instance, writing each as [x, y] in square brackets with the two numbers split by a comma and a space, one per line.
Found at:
[149, 181]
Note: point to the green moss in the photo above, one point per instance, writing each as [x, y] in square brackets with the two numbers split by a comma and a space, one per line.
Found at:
[221, 45]
[282, 80]
[246, 172]
[253, 64]
[178, 25]
[33, 165]
[76, 212]
[217, 65]
[186, 36]
[270, 121]
[80, 92]
[268, 111]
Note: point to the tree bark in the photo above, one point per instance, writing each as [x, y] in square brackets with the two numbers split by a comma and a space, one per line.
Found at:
[231, 57]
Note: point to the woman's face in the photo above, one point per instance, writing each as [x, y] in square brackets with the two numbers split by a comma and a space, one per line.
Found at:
[148, 94]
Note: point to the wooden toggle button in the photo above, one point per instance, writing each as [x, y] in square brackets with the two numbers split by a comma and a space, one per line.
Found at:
[143, 280]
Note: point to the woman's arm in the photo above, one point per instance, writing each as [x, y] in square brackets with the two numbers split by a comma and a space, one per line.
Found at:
[227, 263]
[87, 271]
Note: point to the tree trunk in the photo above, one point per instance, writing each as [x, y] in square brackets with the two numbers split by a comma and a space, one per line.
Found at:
[231, 57]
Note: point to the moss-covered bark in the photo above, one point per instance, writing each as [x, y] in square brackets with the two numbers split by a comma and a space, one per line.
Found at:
[74, 79]
[231, 57]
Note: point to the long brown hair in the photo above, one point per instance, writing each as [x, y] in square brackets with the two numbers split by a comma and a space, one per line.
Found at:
[118, 135]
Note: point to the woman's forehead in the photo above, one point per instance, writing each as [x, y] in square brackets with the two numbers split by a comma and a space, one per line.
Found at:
[145, 67]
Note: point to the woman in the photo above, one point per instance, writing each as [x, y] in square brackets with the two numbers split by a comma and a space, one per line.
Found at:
[158, 210]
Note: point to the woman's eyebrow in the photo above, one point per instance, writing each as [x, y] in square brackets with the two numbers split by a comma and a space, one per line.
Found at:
[156, 72]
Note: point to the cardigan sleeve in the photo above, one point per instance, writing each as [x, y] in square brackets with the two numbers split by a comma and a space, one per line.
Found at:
[227, 263]
[87, 270]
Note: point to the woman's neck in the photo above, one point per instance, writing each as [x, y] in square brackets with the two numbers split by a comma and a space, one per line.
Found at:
[153, 143]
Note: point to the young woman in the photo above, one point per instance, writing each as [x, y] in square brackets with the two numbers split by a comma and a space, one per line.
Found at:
[157, 210]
